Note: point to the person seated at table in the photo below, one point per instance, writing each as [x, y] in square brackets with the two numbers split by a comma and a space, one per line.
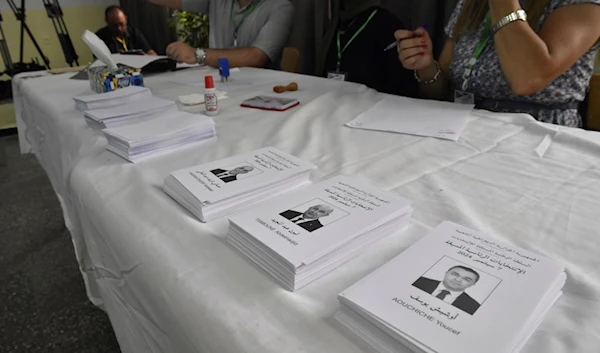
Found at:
[537, 59]
[249, 33]
[356, 51]
[119, 37]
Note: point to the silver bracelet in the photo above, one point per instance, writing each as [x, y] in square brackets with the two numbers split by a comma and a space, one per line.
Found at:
[435, 78]
[519, 15]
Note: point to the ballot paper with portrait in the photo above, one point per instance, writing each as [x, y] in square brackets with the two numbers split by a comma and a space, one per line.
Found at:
[301, 236]
[219, 188]
[454, 291]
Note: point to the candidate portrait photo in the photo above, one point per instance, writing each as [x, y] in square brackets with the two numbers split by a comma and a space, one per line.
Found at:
[313, 215]
[234, 174]
[457, 284]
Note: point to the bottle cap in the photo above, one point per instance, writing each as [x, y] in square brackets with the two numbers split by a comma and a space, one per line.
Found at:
[208, 82]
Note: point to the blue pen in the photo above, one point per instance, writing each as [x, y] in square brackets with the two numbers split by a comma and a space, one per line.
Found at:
[395, 44]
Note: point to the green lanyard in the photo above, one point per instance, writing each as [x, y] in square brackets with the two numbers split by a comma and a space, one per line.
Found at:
[247, 13]
[485, 37]
[340, 51]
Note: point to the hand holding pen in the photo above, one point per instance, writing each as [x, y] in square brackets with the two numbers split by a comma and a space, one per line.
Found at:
[414, 48]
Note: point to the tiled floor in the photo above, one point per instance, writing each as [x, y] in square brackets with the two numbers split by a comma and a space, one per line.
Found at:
[43, 303]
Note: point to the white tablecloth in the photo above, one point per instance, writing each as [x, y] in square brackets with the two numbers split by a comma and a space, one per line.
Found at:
[171, 284]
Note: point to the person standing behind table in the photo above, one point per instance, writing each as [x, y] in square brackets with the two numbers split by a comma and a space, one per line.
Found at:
[540, 66]
[363, 30]
[118, 36]
[249, 33]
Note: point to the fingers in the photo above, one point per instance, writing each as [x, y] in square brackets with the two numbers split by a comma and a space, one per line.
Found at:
[170, 50]
[416, 62]
[421, 32]
[403, 34]
[173, 50]
[413, 43]
[412, 52]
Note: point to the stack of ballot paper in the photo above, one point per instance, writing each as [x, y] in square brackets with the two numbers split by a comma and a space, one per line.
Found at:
[111, 99]
[216, 189]
[455, 290]
[299, 237]
[173, 131]
[132, 112]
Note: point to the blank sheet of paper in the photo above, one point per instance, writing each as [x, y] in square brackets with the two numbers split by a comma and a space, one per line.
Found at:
[420, 117]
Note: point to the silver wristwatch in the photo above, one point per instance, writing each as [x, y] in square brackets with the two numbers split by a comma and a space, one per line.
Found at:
[519, 15]
[200, 56]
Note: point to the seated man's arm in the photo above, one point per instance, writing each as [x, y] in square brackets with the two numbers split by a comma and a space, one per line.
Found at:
[266, 48]
[239, 57]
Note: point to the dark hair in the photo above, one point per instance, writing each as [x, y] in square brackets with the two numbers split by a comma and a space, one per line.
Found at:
[112, 8]
[466, 269]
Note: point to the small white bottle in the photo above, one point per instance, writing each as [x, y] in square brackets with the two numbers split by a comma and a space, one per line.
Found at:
[210, 97]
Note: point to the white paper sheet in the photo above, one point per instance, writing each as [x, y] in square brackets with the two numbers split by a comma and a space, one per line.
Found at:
[116, 98]
[170, 123]
[137, 108]
[137, 61]
[415, 117]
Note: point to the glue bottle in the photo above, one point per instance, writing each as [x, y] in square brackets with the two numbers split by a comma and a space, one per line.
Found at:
[210, 97]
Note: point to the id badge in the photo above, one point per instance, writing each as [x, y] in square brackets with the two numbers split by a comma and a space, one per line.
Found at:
[464, 97]
[337, 75]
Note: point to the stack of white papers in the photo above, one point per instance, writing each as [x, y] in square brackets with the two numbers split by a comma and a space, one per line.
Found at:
[111, 99]
[133, 112]
[299, 237]
[455, 290]
[176, 130]
[216, 189]
[411, 116]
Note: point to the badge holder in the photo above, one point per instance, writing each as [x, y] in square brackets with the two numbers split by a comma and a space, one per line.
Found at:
[462, 96]
[337, 75]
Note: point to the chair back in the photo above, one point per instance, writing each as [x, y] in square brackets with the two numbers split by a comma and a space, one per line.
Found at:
[290, 60]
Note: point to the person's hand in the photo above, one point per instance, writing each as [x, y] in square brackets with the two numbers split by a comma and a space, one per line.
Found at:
[414, 48]
[182, 52]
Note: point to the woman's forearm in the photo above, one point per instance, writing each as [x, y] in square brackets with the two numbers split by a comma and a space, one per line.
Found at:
[524, 56]
[436, 90]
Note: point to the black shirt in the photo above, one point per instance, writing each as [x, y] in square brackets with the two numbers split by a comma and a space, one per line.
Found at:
[134, 39]
[365, 61]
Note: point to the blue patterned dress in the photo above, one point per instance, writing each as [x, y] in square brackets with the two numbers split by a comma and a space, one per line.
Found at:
[488, 80]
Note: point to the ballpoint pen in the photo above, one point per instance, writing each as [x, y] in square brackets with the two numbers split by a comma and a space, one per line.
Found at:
[393, 45]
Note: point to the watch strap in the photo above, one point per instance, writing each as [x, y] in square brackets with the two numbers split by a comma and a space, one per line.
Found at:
[519, 15]
[201, 56]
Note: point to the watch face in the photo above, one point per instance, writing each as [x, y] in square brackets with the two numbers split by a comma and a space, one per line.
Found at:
[200, 56]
